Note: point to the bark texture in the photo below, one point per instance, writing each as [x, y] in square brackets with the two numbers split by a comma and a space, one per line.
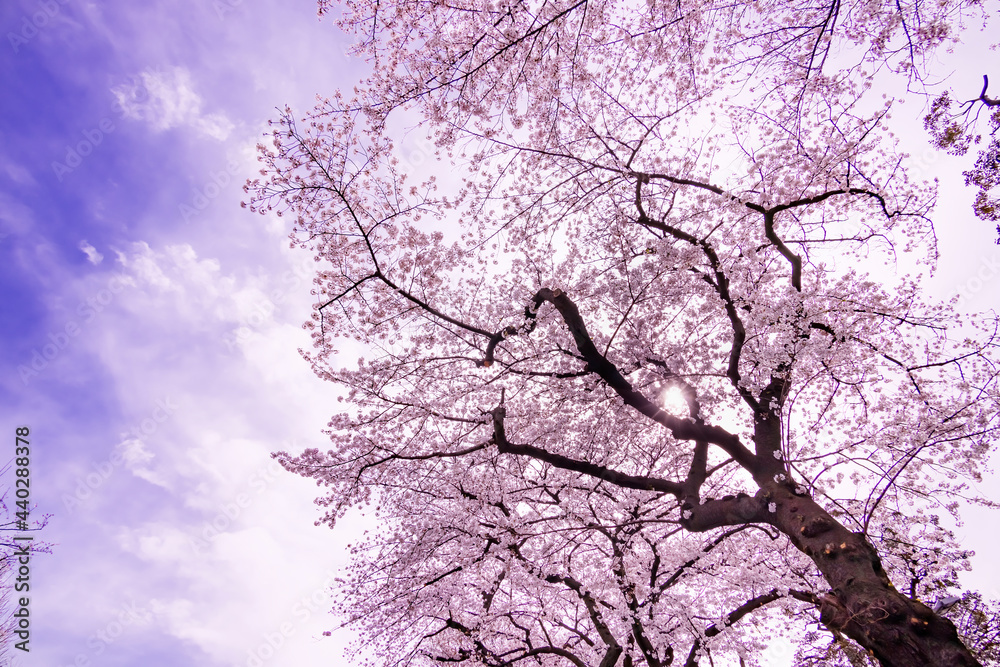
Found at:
[862, 602]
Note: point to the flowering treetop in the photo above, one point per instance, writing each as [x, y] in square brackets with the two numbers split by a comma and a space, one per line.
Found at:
[628, 384]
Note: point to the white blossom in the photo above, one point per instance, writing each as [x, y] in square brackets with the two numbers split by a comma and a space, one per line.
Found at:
[575, 138]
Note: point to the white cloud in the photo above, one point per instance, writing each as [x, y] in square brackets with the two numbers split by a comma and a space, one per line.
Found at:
[137, 458]
[135, 453]
[143, 263]
[177, 268]
[225, 511]
[166, 99]
[90, 251]
[160, 321]
[17, 173]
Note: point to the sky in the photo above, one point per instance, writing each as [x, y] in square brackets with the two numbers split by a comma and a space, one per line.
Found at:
[150, 329]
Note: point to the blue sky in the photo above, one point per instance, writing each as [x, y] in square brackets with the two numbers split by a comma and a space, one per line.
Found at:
[150, 326]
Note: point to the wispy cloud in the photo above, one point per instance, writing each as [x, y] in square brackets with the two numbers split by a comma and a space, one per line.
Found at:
[159, 361]
[90, 251]
[167, 99]
[137, 459]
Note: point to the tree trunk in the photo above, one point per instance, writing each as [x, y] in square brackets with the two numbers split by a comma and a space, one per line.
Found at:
[862, 602]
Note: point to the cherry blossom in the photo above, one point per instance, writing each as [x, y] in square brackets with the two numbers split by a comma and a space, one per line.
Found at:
[633, 201]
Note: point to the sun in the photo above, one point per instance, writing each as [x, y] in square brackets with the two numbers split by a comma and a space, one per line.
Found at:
[672, 400]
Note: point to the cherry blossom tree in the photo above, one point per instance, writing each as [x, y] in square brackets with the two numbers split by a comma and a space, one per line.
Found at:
[647, 373]
[977, 622]
[956, 131]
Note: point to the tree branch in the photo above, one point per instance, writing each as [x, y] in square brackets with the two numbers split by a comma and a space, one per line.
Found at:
[641, 482]
[682, 429]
